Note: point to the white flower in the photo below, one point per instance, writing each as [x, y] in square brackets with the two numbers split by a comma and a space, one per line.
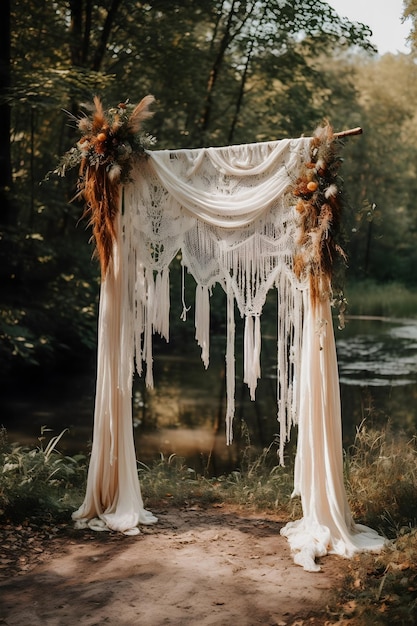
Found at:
[9, 467]
[83, 146]
[84, 124]
[114, 171]
[331, 191]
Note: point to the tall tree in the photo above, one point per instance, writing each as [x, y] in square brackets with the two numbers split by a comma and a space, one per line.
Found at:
[5, 156]
[234, 49]
[380, 168]
[221, 71]
[410, 13]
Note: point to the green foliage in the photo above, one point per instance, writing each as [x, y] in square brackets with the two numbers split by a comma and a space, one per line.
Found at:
[381, 300]
[170, 479]
[381, 478]
[48, 309]
[221, 73]
[379, 170]
[410, 13]
[262, 484]
[39, 482]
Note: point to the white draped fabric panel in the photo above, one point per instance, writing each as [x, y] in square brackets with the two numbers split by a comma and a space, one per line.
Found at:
[230, 213]
[327, 525]
[113, 498]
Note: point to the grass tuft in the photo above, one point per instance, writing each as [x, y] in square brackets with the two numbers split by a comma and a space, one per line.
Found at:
[171, 480]
[38, 482]
[381, 472]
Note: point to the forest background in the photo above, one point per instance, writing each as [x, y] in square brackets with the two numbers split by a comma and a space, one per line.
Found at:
[222, 72]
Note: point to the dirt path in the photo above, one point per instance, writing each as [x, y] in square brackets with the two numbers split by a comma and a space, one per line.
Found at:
[197, 567]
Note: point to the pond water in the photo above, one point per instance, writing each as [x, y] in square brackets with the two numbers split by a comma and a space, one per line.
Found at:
[378, 374]
[184, 414]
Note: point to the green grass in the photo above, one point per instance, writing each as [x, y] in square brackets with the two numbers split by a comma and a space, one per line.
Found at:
[39, 482]
[381, 300]
[259, 483]
[381, 484]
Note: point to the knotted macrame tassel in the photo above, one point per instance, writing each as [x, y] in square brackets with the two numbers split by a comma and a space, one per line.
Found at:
[230, 368]
[150, 303]
[252, 353]
[202, 322]
[161, 304]
[139, 312]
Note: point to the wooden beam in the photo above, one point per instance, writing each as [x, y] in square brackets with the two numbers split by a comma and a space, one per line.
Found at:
[348, 133]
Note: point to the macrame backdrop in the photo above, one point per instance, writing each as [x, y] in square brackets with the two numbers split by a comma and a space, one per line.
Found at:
[250, 218]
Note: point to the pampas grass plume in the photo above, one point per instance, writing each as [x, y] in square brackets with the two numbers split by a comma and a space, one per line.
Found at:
[141, 113]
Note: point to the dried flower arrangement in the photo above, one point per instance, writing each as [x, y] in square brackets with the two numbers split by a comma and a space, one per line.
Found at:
[319, 207]
[109, 142]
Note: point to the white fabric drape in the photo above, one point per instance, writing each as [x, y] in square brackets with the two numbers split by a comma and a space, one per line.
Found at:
[231, 214]
[113, 497]
[327, 525]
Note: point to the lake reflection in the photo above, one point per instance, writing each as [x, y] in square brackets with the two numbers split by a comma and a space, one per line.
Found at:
[378, 374]
[184, 414]
[378, 380]
[378, 353]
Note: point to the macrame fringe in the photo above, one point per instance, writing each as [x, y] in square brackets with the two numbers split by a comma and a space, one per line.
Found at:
[202, 322]
[161, 304]
[289, 349]
[230, 367]
[291, 246]
[252, 353]
[165, 215]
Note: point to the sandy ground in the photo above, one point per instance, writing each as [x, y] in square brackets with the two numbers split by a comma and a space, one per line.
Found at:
[198, 566]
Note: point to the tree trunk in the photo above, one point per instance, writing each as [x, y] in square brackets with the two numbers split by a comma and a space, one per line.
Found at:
[214, 72]
[80, 29]
[243, 79]
[87, 31]
[240, 95]
[5, 156]
[101, 48]
[76, 36]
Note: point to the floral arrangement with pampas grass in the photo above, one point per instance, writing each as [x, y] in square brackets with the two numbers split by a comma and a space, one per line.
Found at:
[319, 206]
[110, 141]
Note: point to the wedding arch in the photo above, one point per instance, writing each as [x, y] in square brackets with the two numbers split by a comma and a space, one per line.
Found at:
[251, 218]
